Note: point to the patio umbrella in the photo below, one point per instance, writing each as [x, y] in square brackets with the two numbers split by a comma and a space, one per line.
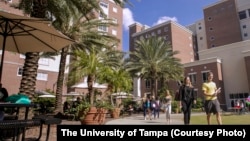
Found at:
[42, 92]
[121, 94]
[24, 34]
[47, 96]
[72, 94]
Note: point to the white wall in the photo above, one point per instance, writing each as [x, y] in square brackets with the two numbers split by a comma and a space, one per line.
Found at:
[233, 66]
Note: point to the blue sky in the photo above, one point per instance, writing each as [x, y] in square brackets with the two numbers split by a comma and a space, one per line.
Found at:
[152, 12]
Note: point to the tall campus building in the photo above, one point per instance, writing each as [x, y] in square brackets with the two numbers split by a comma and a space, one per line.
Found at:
[218, 43]
[49, 68]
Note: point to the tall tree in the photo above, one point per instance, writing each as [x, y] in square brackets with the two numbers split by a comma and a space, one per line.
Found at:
[28, 81]
[153, 58]
[61, 13]
[81, 27]
[90, 63]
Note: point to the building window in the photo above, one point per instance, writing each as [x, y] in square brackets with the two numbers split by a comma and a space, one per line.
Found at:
[148, 84]
[103, 28]
[9, 1]
[209, 18]
[201, 38]
[211, 38]
[199, 27]
[153, 33]
[159, 31]
[230, 6]
[43, 61]
[210, 28]
[165, 29]
[244, 26]
[192, 77]
[102, 15]
[212, 45]
[222, 9]
[115, 9]
[245, 34]
[114, 32]
[204, 76]
[19, 71]
[165, 37]
[242, 15]
[237, 96]
[103, 4]
[42, 76]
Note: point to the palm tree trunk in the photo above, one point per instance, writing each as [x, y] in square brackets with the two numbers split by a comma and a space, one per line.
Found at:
[60, 80]
[30, 68]
[28, 81]
[153, 87]
[90, 82]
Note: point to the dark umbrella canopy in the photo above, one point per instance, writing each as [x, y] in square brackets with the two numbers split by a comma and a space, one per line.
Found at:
[24, 34]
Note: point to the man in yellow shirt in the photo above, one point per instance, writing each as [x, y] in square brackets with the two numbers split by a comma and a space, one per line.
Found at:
[211, 104]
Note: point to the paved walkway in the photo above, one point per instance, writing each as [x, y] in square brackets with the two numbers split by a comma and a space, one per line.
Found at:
[135, 119]
[138, 119]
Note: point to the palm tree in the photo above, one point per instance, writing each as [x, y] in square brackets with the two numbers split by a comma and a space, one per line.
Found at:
[62, 12]
[90, 63]
[117, 78]
[83, 31]
[153, 58]
[28, 81]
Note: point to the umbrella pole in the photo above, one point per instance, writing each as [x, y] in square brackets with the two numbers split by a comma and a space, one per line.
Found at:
[3, 50]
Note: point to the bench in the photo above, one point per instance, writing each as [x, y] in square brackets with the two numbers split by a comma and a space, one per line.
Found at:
[16, 126]
[47, 120]
[20, 125]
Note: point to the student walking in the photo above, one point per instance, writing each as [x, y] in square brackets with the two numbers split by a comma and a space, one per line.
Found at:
[212, 105]
[147, 109]
[168, 107]
[187, 99]
[144, 107]
[157, 108]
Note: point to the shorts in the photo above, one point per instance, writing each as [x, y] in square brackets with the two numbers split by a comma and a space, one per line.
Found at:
[212, 106]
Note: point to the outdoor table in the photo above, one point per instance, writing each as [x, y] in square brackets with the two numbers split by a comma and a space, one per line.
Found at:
[18, 106]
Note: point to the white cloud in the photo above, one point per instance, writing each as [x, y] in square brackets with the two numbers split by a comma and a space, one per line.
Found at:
[164, 19]
[127, 18]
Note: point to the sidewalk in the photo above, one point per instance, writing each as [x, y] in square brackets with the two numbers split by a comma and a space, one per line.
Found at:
[138, 119]
[135, 119]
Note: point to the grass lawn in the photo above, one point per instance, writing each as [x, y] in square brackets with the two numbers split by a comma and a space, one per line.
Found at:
[227, 119]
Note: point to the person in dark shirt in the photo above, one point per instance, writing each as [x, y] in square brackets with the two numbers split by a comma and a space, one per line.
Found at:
[187, 99]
